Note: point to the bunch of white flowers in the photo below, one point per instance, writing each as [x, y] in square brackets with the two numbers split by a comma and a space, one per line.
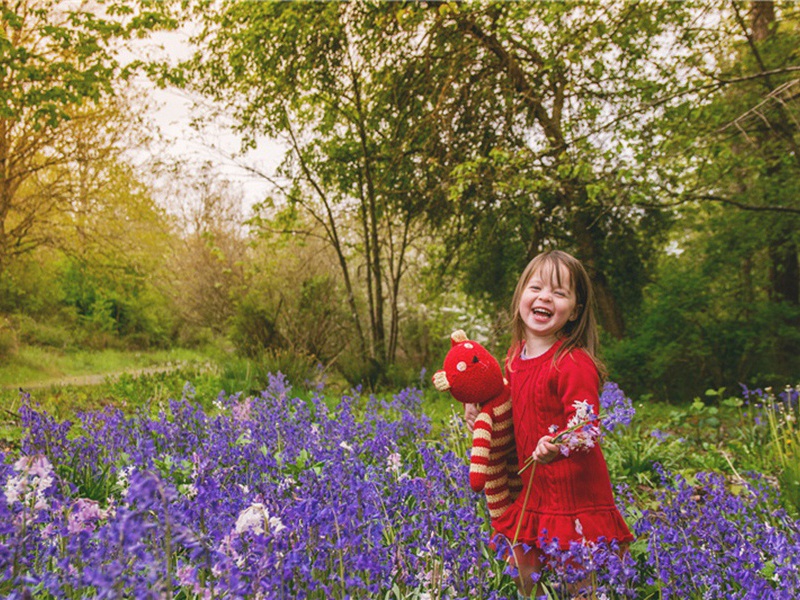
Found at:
[256, 518]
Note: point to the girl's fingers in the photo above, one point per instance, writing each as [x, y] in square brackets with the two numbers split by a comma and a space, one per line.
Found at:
[471, 412]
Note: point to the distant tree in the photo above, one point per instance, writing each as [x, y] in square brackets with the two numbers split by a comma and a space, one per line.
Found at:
[207, 264]
[727, 162]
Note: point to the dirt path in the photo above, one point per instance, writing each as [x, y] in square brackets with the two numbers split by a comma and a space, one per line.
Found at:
[97, 379]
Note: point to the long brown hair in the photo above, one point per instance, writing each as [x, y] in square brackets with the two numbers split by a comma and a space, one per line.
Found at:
[578, 333]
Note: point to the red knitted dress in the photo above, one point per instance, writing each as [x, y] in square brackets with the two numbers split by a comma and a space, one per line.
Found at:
[570, 494]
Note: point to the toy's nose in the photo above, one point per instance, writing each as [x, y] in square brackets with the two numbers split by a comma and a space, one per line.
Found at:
[474, 359]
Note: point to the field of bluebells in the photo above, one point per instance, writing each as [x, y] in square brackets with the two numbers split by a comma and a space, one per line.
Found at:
[290, 495]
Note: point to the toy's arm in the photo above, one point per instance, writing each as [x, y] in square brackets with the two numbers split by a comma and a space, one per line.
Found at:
[481, 446]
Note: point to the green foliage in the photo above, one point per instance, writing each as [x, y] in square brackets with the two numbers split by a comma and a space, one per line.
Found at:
[61, 73]
[292, 306]
[58, 332]
[358, 371]
[632, 455]
[774, 420]
[697, 330]
[251, 375]
[62, 303]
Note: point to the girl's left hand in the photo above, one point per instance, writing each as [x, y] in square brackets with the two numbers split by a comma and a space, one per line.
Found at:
[545, 450]
[471, 412]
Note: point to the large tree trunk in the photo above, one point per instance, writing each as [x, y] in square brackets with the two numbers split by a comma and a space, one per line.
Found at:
[590, 253]
[784, 272]
[762, 18]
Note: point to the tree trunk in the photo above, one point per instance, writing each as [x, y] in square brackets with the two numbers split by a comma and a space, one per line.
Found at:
[372, 239]
[762, 18]
[784, 272]
[590, 253]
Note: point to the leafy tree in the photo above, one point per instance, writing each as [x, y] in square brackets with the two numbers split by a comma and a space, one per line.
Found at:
[358, 113]
[207, 271]
[58, 65]
[568, 88]
[103, 258]
[294, 301]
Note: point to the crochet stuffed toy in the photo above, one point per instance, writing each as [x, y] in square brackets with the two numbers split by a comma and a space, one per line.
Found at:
[473, 376]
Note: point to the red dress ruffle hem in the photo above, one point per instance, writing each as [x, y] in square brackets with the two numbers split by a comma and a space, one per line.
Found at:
[571, 498]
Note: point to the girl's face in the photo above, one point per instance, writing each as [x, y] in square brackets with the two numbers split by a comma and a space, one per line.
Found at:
[547, 303]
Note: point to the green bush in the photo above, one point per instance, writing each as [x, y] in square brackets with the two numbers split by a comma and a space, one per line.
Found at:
[254, 330]
[58, 332]
[690, 337]
[403, 374]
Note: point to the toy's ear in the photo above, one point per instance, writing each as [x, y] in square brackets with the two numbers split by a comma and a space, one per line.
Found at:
[440, 381]
[457, 337]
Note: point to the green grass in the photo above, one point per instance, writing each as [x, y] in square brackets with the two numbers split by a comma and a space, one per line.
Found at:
[65, 382]
[440, 408]
[34, 365]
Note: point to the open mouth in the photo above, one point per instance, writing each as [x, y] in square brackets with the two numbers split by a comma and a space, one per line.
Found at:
[542, 312]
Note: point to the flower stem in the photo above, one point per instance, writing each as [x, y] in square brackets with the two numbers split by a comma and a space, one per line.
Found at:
[524, 503]
[519, 521]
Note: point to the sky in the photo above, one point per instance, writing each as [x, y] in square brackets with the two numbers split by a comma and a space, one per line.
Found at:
[172, 112]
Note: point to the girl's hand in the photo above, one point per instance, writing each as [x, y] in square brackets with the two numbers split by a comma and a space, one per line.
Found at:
[545, 450]
[471, 412]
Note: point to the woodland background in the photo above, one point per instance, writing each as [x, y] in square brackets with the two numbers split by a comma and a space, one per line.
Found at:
[431, 149]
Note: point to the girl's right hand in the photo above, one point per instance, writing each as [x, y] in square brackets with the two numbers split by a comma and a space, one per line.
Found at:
[545, 450]
[471, 412]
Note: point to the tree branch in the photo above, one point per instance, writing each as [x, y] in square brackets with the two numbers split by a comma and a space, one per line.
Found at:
[687, 198]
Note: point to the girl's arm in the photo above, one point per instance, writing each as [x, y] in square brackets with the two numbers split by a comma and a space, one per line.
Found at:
[578, 381]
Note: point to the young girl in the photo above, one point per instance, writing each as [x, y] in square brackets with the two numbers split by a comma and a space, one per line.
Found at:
[551, 365]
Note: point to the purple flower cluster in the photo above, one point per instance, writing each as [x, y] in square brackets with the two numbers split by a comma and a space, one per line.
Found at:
[788, 396]
[276, 496]
[289, 496]
[616, 408]
[713, 540]
[606, 566]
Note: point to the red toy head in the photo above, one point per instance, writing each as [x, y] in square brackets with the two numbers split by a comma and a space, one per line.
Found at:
[470, 372]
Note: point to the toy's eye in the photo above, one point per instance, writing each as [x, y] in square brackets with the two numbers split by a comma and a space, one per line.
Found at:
[462, 366]
[475, 359]
[467, 345]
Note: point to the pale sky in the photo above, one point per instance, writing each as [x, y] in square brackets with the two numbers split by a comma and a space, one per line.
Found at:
[172, 112]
